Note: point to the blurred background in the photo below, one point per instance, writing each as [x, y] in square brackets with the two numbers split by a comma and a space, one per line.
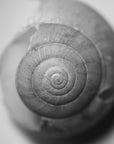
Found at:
[14, 16]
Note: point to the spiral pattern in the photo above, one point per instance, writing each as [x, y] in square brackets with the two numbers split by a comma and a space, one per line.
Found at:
[61, 72]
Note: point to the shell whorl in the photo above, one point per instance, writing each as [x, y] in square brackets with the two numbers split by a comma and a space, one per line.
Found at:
[61, 73]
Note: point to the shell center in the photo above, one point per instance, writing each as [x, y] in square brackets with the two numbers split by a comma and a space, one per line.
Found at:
[58, 80]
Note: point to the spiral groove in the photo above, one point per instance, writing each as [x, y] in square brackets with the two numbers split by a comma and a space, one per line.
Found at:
[61, 72]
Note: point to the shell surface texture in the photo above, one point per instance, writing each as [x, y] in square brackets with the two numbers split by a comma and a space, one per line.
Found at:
[66, 75]
[58, 76]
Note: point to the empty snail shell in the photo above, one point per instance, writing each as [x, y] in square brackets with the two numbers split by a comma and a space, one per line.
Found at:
[66, 76]
[58, 76]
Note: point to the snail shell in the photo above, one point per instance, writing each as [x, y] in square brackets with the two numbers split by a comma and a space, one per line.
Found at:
[66, 76]
[58, 77]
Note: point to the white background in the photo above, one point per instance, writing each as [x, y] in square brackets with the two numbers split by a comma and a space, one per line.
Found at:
[14, 14]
